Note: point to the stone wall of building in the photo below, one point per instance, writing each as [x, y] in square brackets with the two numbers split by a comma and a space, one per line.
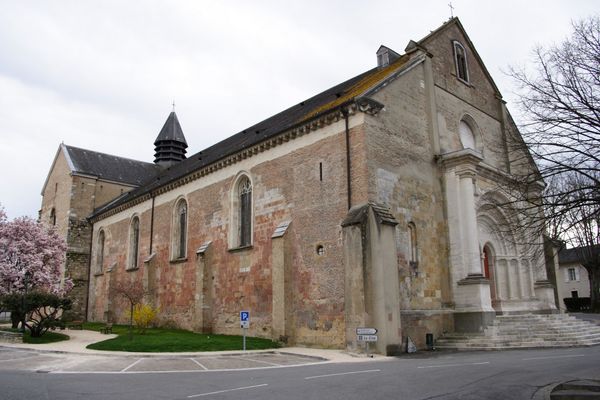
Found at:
[302, 181]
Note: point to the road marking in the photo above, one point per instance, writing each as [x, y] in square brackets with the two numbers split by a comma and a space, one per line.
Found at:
[452, 365]
[227, 390]
[550, 357]
[343, 373]
[126, 368]
[258, 361]
[201, 366]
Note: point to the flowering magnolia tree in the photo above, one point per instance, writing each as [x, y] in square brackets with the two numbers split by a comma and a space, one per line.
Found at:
[31, 258]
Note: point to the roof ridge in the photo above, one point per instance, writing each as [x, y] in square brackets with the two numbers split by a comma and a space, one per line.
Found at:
[67, 146]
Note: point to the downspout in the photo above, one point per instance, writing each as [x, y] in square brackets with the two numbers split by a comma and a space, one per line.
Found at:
[349, 183]
[89, 283]
[152, 224]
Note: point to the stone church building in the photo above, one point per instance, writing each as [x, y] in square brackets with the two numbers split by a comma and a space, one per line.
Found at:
[371, 204]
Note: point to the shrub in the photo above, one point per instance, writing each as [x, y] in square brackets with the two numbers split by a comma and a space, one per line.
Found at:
[144, 316]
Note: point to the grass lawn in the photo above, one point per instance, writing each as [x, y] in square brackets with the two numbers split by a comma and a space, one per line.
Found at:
[157, 340]
[48, 337]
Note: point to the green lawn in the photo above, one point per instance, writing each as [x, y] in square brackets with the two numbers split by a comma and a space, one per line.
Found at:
[157, 340]
[48, 337]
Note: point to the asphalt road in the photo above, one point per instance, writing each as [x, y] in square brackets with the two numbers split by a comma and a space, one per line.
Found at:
[482, 375]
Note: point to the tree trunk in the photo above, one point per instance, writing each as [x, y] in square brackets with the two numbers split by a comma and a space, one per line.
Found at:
[594, 275]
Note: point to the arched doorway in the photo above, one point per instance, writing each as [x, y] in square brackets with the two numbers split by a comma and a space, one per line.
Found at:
[488, 269]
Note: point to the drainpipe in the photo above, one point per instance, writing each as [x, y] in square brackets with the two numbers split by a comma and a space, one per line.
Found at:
[152, 224]
[349, 184]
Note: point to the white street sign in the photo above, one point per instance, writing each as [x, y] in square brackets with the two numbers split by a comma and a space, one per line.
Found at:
[245, 319]
[366, 331]
[367, 338]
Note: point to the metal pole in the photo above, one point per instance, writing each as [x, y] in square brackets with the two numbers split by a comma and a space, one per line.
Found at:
[244, 339]
[367, 345]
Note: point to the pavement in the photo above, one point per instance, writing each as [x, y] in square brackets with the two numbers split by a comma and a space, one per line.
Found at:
[72, 356]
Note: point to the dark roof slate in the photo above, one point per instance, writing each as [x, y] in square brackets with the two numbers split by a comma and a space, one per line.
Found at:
[109, 167]
[171, 130]
[577, 254]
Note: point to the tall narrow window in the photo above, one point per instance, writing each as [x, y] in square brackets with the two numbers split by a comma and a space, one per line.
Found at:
[134, 242]
[180, 230]
[412, 244]
[460, 59]
[245, 216]
[100, 252]
[53, 217]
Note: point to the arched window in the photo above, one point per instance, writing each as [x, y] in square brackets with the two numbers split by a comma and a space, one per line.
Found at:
[460, 59]
[180, 230]
[245, 211]
[100, 252]
[53, 217]
[134, 242]
[467, 138]
[412, 244]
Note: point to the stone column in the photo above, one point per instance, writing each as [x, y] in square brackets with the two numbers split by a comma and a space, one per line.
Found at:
[202, 314]
[281, 281]
[471, 256]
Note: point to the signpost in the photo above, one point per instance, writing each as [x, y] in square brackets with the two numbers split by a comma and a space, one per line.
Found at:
[366, 335]
[244, 324]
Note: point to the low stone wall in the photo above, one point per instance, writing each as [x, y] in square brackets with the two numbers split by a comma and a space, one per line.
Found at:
[10, 337]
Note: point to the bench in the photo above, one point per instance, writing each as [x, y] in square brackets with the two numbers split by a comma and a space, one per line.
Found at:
[107, 329]
[76, 325]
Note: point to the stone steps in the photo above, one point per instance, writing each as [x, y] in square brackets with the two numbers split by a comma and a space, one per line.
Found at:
[526, 331]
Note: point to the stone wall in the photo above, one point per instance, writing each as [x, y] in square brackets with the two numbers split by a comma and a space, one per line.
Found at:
[302, 181]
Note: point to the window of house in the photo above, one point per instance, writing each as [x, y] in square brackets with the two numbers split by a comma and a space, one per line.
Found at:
[100, 252]
[572, 274]
[460, 59]
[180, 230]
[412, 244]
[245, 212]
[53, 216]
[134, 242]
[467, 138]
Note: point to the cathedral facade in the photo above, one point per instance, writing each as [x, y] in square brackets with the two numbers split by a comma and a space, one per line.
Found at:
[372, 204]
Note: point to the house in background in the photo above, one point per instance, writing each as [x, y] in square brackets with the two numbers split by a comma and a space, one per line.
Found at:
[572, 280]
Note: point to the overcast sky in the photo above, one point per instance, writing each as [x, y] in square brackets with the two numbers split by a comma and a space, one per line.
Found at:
[102, 74]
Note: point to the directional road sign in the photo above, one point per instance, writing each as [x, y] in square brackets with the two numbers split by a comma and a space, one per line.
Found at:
[366, 331]
[367, 338]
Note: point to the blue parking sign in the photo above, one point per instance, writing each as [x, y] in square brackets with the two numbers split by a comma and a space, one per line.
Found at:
[244, 315]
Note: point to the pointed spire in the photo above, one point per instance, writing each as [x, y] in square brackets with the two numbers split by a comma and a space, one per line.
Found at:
[170, 144]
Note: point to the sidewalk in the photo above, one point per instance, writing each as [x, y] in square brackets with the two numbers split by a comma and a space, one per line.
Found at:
[79, 339]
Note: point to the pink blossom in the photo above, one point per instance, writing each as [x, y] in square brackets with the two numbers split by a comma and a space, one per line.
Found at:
[31, 254]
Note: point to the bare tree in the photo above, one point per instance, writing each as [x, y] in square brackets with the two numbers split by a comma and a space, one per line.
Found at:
[134, 293]
[560, 101]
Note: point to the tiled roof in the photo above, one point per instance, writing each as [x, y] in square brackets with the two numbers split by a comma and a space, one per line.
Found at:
[109, 167]
[577, 254]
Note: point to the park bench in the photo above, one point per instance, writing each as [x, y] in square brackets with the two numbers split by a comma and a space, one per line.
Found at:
[107, 329]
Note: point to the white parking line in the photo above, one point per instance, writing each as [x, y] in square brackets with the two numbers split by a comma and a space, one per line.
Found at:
[452, 365]
[126, 368]
[227, 390]
[550, 357]
[343, 373]
[258, 361]
[201, 366]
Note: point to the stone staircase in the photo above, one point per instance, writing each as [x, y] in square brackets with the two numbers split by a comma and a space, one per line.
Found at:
[521, 331]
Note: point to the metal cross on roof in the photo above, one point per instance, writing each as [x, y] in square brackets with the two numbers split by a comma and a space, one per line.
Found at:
[451, 10]
[173, 104]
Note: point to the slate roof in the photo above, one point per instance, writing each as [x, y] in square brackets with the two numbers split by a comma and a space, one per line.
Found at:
[171, 130]
[575, 254]
[326, 101]
[109, 167]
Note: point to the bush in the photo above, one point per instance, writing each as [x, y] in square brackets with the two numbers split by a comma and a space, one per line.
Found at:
[577, 303]
[144, 316]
